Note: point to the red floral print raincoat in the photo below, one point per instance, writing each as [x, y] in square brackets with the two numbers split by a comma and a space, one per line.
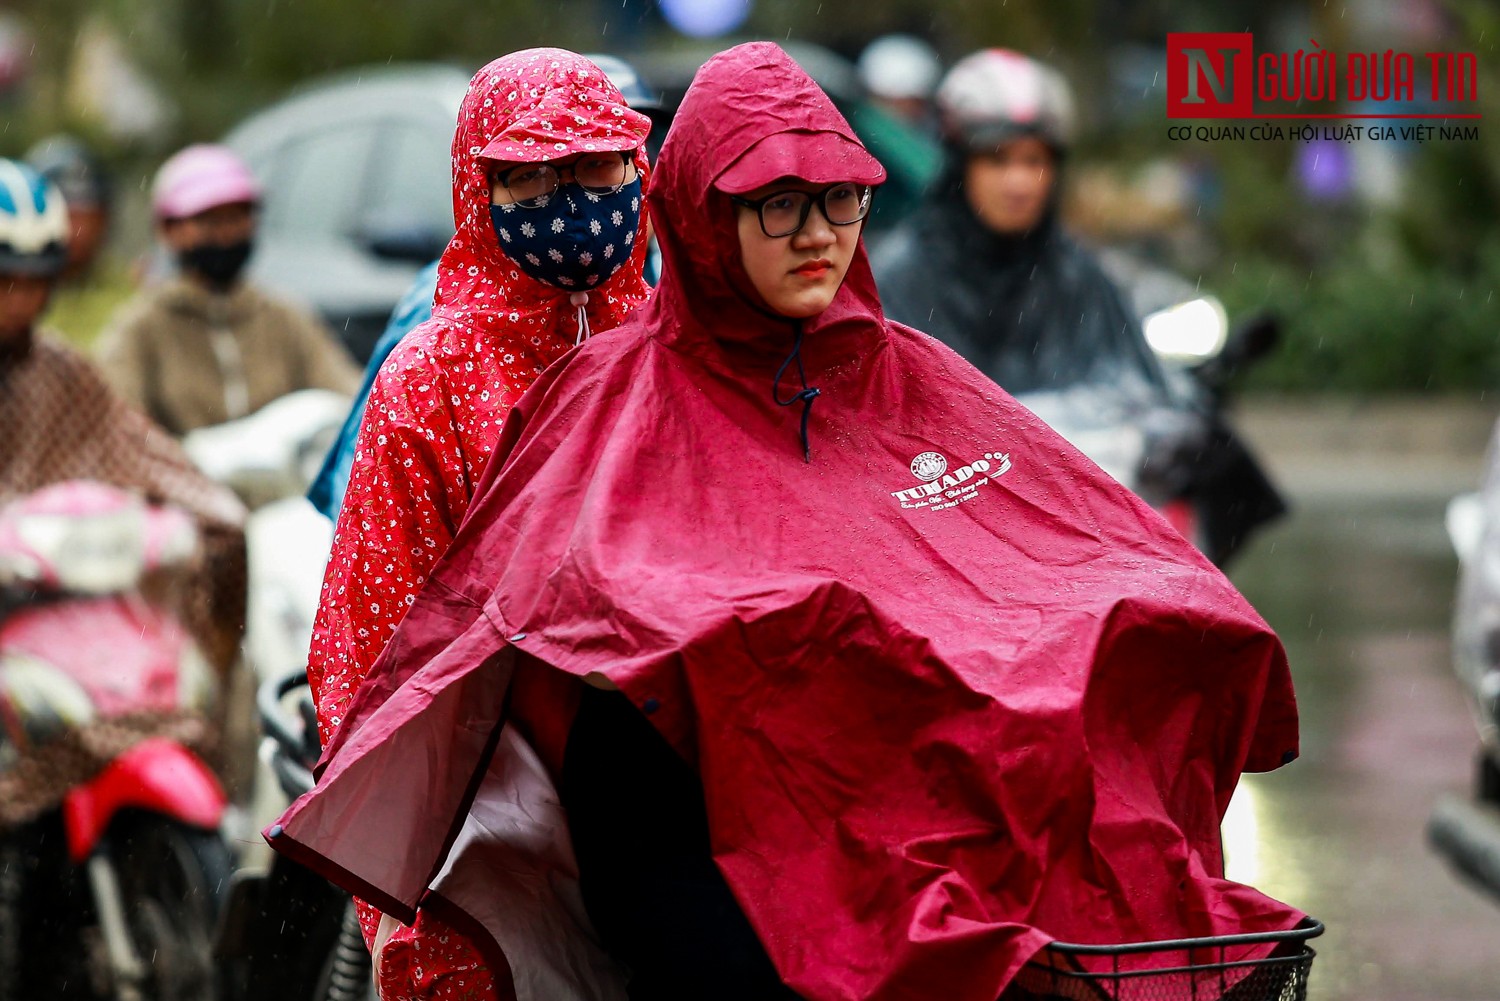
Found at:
[436, 409]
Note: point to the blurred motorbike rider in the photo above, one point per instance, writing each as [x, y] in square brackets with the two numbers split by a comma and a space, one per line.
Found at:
[78, 174]
[415, 307]
[549, 177]
[208, 347]
[984, 266]
[62, 421]
[900, 72]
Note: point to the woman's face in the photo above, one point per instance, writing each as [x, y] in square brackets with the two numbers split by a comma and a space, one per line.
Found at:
[1010, 189]
[796, 275]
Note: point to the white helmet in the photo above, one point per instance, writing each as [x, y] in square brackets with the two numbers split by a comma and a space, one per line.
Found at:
[899, 67]
[33, 222]
[995, 95]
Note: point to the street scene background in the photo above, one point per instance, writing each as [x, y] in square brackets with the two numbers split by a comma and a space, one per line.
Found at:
[1380, 258]
[1359, 583]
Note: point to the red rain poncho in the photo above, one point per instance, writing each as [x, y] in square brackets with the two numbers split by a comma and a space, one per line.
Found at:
[436, 407]
[952, 691]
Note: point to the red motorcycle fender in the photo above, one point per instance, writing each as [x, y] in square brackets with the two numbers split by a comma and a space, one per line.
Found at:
[156, 774]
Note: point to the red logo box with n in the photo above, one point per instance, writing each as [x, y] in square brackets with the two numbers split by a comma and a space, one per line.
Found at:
[1210, 75]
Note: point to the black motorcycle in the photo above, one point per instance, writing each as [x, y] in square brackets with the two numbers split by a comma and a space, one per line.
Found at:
[1173, 445]
[288, 933]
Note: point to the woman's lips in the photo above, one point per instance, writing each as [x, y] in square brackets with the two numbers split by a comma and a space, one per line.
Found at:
[813, 269]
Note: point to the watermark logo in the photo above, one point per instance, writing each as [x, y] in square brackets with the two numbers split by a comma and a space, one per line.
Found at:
[1220, 75]
[1210, 75]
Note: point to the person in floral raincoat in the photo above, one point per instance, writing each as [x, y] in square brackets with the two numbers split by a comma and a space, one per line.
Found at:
[548, 183]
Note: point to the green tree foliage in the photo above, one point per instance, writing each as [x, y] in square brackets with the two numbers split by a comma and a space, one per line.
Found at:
[232, 55]
[1411, 326]
[1454, 193]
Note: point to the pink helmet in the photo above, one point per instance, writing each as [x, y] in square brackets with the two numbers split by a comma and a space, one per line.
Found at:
[200, 178]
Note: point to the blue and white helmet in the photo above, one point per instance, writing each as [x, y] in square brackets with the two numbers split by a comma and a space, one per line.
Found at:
[33, 222]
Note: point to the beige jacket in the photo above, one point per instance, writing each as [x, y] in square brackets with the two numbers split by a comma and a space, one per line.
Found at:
[190, 357]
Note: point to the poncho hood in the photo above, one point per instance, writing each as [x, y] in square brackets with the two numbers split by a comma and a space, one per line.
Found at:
[951, 690]
[536, 104]
[739, 101]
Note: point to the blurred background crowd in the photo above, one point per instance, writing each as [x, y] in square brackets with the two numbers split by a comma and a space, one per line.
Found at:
[1381, 260]
[1381, 256]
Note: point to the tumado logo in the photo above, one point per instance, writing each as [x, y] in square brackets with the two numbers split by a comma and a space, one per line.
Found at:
[942, 488]
[929, 465]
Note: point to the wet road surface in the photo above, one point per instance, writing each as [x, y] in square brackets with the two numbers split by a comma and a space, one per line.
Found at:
[1359, 583]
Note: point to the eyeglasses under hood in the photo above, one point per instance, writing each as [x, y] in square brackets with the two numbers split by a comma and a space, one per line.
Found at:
[529, 106]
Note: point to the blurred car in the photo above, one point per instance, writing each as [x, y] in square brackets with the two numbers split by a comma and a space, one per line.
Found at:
[358, 182]
[1466, 831]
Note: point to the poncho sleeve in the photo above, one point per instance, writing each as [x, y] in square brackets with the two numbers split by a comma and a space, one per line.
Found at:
[408, 490]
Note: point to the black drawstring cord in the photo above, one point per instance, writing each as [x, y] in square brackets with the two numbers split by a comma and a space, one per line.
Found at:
[808, 394]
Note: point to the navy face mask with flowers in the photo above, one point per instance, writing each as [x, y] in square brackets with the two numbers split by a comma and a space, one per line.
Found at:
[577, 240]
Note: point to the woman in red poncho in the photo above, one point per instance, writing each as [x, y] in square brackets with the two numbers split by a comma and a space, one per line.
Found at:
[548, 178]
[884, 685]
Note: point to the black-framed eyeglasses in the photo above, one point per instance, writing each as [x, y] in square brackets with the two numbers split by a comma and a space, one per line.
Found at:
[531, 185]
[783, 213]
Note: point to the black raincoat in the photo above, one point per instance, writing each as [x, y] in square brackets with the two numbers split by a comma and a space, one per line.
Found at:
[1032, 312]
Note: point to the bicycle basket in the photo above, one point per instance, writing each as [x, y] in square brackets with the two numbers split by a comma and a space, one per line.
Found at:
[1272, 966]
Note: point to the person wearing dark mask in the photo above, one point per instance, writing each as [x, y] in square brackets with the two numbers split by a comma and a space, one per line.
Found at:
[549, 180]
[206, 346]
[415, 306]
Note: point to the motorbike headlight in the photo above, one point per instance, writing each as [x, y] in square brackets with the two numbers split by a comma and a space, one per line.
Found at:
[1189, 332]
[41, 701]
[171, 537]
[93, 553]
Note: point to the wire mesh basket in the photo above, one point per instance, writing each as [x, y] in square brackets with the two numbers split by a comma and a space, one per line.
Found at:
[1270, 966]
